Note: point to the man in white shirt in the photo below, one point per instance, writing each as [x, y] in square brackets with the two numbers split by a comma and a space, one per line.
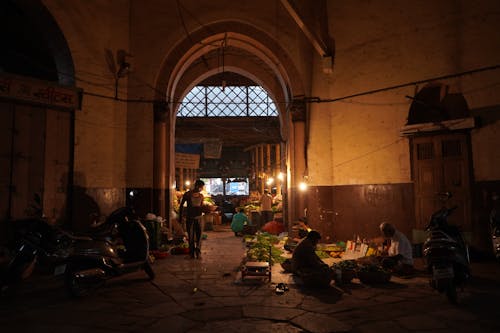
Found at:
[266, 210]
[399, 257]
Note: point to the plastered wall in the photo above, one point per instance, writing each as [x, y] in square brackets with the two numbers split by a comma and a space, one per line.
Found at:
[93, 28]
[381, 44]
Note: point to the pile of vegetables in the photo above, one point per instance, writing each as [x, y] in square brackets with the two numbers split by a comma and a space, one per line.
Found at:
[261, 246]
[372, 268]
[373, 273]
[322, 254]
[346, 265]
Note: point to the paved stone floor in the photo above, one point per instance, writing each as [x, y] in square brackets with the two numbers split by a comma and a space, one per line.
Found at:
[207, 295]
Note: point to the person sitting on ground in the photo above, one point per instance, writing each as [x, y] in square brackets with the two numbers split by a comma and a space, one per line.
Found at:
[239, 221]
[274, 227]
[308, 266]
[398, 258]
[303, 227]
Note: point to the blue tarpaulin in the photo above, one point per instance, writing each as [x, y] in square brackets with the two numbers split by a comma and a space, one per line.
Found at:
[196, 148]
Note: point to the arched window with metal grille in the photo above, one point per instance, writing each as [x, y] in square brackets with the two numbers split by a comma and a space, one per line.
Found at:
[230, 101]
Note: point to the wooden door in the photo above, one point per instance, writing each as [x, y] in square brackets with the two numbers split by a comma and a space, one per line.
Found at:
[21, 157]
[440, 164]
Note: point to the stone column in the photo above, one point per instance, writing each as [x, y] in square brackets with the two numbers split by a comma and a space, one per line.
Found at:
[277, 171]
[160, 172]
[298, 200]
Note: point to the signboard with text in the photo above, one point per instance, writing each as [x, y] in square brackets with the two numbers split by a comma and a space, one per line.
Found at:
[39, 92]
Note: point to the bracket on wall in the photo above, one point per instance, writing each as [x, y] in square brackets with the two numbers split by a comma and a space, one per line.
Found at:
[119, 67]
[316, 42]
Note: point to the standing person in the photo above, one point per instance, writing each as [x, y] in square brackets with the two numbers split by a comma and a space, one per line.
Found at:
[194, 212]
[266, 211]
[399, 256]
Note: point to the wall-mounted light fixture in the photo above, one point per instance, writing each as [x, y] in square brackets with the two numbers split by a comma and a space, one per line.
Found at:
[303, 186]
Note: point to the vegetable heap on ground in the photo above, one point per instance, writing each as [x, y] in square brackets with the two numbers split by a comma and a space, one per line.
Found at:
[259, 246]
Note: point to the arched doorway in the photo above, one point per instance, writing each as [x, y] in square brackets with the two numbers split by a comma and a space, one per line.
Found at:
[34, 158]
[438, 126]
[227, 47]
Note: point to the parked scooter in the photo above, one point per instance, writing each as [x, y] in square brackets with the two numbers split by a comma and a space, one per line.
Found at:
[35, 243]
[118, 246]
[446, 253]
[94, 261]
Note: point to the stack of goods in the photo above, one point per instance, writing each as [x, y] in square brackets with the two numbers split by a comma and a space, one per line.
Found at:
[373, 274]
[345, 271]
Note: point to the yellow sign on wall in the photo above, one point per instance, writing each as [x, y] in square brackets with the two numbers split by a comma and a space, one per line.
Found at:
[187, 161]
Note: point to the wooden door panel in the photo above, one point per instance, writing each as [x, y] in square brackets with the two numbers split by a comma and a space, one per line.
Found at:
[441, 164]
[427, 180]
[6, 114]
[425, 207]
[28, 159]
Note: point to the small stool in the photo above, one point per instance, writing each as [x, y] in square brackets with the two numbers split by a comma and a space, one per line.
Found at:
[256, 269]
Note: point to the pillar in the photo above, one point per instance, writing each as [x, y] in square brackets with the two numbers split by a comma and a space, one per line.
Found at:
[298, 113]
[161, 126]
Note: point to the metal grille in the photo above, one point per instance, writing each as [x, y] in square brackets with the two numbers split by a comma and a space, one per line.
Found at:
[231, 101]
[425, 151]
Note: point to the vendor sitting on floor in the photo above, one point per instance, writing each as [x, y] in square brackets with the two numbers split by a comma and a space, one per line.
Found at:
[398, 258]
[308, 266]
[239, 221]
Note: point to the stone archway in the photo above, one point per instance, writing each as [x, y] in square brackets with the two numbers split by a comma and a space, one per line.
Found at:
[36, 55]
[256, 55]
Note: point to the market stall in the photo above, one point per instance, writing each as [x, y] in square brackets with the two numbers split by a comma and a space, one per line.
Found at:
[352, 260]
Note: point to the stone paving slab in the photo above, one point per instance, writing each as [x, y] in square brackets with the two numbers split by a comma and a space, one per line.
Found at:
[319, 323]
[273, 313]
[174, 323]
[205, 296]
[248, 325]
[212, 314]
[382, 326]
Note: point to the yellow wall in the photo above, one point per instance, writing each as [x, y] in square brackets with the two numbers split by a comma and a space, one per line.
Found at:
[382, 44]
[353, 141]
[91, 27]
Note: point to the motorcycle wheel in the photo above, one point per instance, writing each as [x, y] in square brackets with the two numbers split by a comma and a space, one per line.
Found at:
[20, 268]
[149, 270]
[75, 287]
[451, 292]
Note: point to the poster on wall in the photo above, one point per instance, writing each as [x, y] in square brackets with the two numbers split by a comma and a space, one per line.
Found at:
[187, 161]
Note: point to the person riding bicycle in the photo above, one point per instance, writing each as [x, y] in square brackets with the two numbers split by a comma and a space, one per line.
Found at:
[194, 212]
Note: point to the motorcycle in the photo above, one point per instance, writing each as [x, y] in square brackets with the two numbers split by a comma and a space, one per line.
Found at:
[446, 254]
[35, 243]
[118, 246]
[94, 261]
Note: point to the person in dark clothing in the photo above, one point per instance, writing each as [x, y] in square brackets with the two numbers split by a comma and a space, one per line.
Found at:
[308, 266]
[194, 211]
